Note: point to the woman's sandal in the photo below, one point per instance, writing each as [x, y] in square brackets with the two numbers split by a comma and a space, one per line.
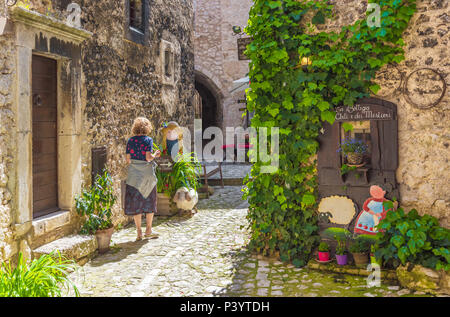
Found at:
[138, 239]
[152, 236]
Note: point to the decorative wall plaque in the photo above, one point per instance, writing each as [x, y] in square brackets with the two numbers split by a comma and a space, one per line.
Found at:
[341, 210]
[242, 46]
[361, 112]
[425, 88]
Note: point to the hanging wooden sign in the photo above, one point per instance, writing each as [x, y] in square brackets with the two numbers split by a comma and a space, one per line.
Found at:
[361, 112]
[242, 46]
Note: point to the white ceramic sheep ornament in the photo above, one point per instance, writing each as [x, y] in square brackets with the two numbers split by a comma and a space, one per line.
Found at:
[186, 199]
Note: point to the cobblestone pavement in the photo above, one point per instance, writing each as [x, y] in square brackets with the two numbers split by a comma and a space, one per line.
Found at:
[206, 255]
[231, 171]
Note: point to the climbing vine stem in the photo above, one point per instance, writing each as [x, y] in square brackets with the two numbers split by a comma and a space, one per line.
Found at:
[282, 215]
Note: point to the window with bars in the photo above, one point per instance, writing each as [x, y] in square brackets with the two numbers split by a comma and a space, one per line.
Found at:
[137, 15]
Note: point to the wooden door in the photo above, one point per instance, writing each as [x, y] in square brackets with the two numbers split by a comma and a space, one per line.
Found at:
[45, 167]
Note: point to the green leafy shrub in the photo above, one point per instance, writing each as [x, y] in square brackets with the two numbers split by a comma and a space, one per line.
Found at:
[95, 204]
[359, 246]
[409, 237]
[185, 173]
[324, 247]
[332, 232]
[298, 100]
[44, 277]
[341, 247]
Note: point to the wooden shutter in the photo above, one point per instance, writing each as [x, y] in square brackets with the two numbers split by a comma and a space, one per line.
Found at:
[99, 158]
[329, 160]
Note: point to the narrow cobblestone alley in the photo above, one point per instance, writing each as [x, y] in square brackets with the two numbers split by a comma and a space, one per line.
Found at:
[206, 255]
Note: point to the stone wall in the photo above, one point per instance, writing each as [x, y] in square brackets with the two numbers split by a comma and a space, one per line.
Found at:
[216, 53]
[7, 124]
[120, 80]
[418, 87]
[131, 80]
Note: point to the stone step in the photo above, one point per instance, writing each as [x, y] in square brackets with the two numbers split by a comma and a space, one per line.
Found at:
[79, 248]
[226, 181]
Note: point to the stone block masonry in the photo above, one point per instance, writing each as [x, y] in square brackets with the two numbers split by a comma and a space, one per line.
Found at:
[104, 82]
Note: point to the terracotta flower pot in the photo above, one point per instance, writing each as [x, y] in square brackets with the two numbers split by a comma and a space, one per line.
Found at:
[360, 259]
[324, 256]
[355, 158]
[341, 259]
[104, 239]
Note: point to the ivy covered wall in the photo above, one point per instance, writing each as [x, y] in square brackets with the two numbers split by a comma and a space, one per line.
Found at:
[349, 60]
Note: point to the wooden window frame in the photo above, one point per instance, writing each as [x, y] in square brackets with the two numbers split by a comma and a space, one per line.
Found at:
[132, 33]
[383, 165]
[167, 50]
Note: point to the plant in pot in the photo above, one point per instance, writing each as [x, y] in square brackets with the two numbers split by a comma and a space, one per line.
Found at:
[324, 252]
[373, 259]
[353, 150]
[359, 250]
[341, 251]
[95, 204]
[186, 172]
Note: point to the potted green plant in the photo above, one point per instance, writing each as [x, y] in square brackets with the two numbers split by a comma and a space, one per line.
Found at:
[185, 173]
[373, 259]
[341, 251]
[95, 204]
[324, 252]
[353, 150]
[359, 250]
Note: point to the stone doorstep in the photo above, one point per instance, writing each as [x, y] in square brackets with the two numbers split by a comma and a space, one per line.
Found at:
[48, 223]
[350, 269]
[74, 247]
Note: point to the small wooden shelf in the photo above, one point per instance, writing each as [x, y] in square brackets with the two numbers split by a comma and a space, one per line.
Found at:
[364, 170]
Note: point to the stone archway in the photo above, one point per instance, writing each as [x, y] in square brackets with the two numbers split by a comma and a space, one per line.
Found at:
[212, 101]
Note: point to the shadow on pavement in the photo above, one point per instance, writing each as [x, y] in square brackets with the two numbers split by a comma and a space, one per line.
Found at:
[119, 252]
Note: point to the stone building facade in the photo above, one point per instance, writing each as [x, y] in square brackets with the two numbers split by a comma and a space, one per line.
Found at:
[128, 59]
[418, 87]
[216, 59]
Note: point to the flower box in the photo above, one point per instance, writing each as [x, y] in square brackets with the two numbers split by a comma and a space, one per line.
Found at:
[165, 205]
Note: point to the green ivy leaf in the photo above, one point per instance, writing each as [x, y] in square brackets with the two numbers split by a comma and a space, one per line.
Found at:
[308, 199]
[375, 88]
[347, 126]
[328, 116]
[319, 18]
[323, 105]
[274, 112]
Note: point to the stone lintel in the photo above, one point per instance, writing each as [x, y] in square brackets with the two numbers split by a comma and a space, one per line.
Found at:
[50, 24]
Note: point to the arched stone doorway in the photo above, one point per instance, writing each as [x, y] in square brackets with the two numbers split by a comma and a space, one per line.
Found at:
[209, 106]
[211, 99]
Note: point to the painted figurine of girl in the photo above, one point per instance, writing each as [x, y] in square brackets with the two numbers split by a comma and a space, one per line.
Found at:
[172, 139]
[373, 212]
